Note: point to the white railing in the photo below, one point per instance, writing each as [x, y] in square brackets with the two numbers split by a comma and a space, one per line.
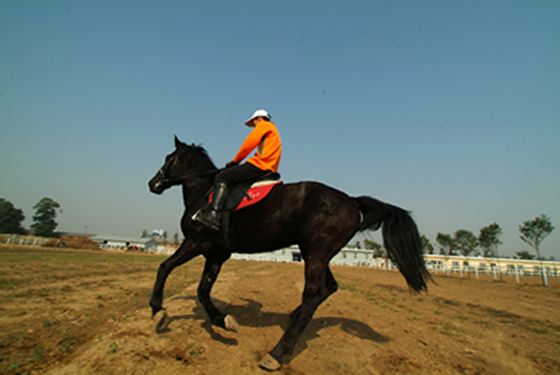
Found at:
[436, 264]
[15, 239]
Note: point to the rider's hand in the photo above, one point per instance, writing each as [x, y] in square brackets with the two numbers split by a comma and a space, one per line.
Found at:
[231, 164]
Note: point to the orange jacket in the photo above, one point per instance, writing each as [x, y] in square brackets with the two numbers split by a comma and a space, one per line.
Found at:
[266, 139]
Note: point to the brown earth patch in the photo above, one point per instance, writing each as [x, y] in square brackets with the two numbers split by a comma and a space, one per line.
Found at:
[84, 312]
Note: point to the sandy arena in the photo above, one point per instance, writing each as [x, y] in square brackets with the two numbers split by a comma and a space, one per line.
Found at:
[86, 312]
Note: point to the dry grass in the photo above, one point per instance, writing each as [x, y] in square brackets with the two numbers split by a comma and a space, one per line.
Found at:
[78, 311]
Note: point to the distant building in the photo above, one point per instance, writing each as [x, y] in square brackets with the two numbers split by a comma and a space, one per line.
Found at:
[354, 257]
[348, 257]
[147, 244]
[288, 254]
[159, 233]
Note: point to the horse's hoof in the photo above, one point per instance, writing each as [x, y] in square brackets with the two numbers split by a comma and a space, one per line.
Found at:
[269, 363]
[231, 323]
[160, 320]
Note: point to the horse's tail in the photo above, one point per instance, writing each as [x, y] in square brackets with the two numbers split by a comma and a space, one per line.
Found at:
[400, 238]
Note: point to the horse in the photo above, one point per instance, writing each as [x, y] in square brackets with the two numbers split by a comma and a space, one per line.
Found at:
[317, 218]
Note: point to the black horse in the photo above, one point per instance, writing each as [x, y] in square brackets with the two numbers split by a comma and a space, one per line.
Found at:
[319, 219]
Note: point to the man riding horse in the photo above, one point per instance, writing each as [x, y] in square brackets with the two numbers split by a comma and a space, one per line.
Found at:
[318, 219]
[265, 138]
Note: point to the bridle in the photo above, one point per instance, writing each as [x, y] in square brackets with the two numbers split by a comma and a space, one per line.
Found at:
[181, 179]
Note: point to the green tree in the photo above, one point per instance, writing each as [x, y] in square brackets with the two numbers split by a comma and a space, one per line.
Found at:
[427, 246]
[446, 247]
[378, 251]
[371, 245]
[43, 220]
[446, 244]
[525, 255]
[466, 242]
[10, 218]
[533, 232]
[489, 240]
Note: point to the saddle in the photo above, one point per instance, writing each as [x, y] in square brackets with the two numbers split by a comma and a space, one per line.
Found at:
[247, 194]
[244, 195]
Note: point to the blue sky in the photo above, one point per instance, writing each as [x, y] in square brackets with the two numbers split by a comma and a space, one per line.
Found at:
[449, 109]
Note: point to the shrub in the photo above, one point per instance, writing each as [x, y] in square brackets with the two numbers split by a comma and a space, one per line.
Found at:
[73, 243]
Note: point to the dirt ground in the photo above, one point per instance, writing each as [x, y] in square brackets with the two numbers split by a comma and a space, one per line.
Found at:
[86, 312]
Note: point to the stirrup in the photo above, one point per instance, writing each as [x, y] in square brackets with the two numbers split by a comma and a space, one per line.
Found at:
[195, 216]
[208, 223]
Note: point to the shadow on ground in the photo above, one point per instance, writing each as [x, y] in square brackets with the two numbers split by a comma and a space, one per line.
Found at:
[251, 314]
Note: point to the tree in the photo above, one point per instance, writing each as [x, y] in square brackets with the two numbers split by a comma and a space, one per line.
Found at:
[533, 232]
[10, 218]
[45, 213]
[377, 248]
[446, 247]
[525, 255]
[446, 244]
[489, 240]
[427, 246]
[466, 242]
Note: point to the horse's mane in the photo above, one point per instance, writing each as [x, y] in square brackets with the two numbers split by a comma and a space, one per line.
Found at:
[199, 158]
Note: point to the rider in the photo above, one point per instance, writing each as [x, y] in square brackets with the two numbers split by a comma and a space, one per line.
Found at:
[265, 138]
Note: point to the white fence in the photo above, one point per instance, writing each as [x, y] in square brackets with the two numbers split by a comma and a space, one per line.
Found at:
[437, 264]
[495, 266]
[23, 240]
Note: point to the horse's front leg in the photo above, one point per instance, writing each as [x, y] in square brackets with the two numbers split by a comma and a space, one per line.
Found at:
[211, 270]
[184, 253]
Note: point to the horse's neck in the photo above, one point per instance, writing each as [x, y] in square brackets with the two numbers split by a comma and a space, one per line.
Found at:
[194, 194]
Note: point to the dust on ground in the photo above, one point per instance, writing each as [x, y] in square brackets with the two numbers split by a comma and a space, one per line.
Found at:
[84, 312]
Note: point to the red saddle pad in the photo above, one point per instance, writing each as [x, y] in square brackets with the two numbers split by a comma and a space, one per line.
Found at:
[255, 194]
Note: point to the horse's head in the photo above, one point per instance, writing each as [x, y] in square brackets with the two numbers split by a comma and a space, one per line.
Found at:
[186, 161]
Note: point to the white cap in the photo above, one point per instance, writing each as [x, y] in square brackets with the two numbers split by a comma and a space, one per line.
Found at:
[258, 113]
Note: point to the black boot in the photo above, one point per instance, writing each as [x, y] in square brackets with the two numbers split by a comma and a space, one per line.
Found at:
[212, 215]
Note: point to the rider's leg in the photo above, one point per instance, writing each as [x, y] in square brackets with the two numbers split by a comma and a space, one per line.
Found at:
[211, 216]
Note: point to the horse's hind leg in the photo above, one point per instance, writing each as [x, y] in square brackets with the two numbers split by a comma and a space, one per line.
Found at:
[331, 285]
[211, 270]
[314, 293]
[328, 288]
[184, 253]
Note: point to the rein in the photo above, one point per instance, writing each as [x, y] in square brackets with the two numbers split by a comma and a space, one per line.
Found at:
[178, 180]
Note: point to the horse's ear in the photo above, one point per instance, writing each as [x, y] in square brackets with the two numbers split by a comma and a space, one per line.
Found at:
[177, 142]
